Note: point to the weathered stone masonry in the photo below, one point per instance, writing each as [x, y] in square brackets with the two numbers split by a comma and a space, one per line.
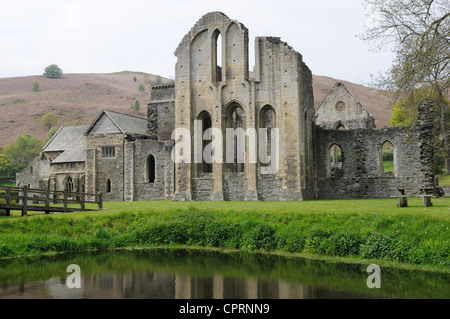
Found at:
[362, 175]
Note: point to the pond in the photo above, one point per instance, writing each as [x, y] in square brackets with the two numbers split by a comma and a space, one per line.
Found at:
[204, 274]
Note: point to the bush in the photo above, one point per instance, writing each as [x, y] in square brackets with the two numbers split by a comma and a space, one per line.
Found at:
[262, 237]
[345, 244]
[317, 242]
[376, 246]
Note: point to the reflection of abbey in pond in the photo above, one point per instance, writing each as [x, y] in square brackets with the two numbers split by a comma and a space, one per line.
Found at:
[168, 286]
[334, 152]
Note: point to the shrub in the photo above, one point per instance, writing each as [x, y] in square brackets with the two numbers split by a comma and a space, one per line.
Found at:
[376, 246]
[344, 244]
[316, 242]
[262, 237]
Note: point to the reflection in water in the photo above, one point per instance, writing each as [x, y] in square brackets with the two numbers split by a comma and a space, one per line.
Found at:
[187, 274]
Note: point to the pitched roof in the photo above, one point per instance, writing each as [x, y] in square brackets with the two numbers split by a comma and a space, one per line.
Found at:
[127, 124]
[69, 140]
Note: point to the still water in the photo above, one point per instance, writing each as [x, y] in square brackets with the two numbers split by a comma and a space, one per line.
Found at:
[198, 274]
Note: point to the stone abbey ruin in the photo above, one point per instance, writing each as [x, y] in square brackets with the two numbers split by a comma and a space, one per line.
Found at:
[335, 152]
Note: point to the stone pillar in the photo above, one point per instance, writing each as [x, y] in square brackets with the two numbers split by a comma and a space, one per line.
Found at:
[128, 170]
[425, 131]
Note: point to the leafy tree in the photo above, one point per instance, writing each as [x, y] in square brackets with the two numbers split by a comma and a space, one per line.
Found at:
[419, 32]
[404, 113]
[141, 87]
[35, 86]
[134, 79]
[5, 166]
[50, 134]
[136, 106]
[158, 80]
[49, 120]
[53, 72]
[22, 151]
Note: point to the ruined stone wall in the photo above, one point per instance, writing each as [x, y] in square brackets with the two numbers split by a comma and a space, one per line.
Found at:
[137, 184]
[161, 112]
[282, 81]
[362, 175]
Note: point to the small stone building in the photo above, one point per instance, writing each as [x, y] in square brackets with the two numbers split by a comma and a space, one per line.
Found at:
[61, 163]
[334, 153]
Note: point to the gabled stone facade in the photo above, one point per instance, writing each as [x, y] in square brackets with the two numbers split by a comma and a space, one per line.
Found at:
[341, 110]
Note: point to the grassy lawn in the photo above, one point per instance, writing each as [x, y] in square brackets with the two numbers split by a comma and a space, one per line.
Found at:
[440, 208]
[444, 180]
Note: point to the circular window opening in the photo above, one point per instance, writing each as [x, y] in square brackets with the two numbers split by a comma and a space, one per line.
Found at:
[340, 106]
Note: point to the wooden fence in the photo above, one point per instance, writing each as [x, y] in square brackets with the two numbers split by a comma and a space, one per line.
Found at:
[31, 199]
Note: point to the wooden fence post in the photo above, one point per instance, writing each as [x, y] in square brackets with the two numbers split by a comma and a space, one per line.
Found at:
[100, 201]
[8, 201]
[47, 201]
[82, 201]
[25, 201]
[65, 201]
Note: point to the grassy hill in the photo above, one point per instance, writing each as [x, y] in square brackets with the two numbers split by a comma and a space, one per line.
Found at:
[77, 99]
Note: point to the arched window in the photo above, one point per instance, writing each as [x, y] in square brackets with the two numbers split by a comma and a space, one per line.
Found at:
[206, 165]
[69, 184]
[336, 159]
[151, 169]
[108, 186]
[217, 56]
[387, 158]
[267, 121]
[235, 139]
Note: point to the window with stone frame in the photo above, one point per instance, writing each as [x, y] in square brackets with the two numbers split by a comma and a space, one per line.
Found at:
[108, 152]
[267, 121]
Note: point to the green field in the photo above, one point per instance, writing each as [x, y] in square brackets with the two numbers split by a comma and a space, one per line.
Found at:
[372, 229]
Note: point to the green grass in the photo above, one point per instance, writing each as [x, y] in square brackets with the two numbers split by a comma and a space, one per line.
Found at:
[444, 180]
[388, 166]
[372, 229]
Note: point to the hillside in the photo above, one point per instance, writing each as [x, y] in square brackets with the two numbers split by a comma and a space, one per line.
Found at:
[77, 99]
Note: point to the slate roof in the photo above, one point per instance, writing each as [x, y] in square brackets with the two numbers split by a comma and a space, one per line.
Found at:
[127, 124]
[69, 140]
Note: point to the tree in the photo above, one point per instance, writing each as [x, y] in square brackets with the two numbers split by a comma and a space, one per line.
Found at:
[35, 86]
[141, 87]
[5, 166]
[49, 120]
[22, 151]
[419, 31]
[53, 72]
[136, 106]
[158, 80]
[134, 79]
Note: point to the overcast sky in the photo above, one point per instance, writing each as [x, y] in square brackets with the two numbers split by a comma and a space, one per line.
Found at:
[99, 36]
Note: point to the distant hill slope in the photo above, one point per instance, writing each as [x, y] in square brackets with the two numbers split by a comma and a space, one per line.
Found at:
[77, 99]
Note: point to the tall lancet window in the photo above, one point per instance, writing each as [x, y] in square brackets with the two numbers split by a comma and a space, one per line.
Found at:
[217, 56]
[235, 139]
[267, 121]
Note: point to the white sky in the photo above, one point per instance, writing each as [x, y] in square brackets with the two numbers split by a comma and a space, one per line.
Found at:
[98, 36]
